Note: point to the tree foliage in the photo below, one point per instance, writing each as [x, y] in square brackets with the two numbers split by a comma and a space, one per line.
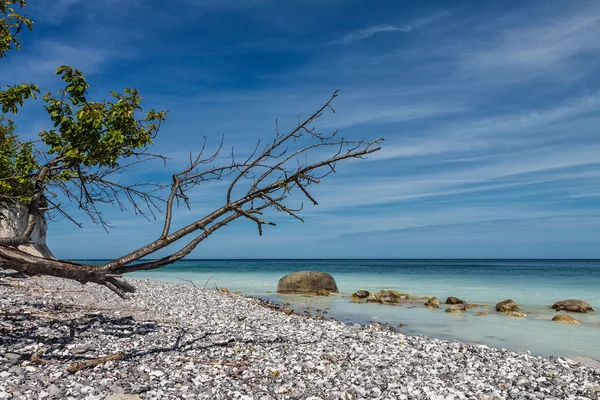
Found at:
[11, 25]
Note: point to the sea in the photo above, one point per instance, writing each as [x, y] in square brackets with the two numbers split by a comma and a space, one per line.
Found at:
[533, 284]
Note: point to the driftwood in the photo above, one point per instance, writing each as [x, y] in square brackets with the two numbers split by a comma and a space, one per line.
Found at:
[92, 363]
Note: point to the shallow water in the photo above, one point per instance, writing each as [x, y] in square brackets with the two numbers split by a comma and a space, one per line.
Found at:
[533, 284]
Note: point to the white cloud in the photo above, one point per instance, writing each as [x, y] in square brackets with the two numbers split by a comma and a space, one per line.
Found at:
[386, 28]
[543, 45]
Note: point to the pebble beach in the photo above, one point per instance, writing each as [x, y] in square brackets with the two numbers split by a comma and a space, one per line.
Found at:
[178, 341]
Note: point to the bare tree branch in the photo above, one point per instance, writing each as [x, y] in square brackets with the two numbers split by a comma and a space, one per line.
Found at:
[290, 164]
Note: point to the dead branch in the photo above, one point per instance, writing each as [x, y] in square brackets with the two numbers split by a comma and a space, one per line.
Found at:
[187, 280]
[92, 363]
[268, 178]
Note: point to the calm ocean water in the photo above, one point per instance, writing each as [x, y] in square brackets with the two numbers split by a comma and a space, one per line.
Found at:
[533, 284]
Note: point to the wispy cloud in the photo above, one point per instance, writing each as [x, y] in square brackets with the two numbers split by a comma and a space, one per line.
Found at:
[366, 33]
[45, 56]
[538, 45]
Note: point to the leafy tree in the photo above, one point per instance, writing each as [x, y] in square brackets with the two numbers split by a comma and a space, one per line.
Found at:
[11, 25]
[92, 140]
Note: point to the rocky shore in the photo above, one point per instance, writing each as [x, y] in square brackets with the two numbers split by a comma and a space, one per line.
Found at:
[172, 341]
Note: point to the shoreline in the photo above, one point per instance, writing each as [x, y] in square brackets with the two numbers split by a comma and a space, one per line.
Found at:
[179, 341]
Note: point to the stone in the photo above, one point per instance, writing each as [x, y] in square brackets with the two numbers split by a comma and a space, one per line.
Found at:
[507, 305]
[83, 348]
[224, 290]
[12, 358]
[566, 319]
[516, 314]
[455, 300]
[373, 298]
[433, 302]
[306, 282]
[323, 292]
[355, 298]
[573, 305]
[456, 308]
[361, 294]
[393, 294]
[116, 396]
[481, 314]
[54, 391]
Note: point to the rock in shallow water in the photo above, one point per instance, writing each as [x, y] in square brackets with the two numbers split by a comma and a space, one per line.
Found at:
[457, 308]
[455, 300]
[516, 314]
[564, 318]
[433, 302]
[507, 305]
[306, 282]
[573, 305]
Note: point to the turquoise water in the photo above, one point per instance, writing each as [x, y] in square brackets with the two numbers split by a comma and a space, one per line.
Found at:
[533, 284]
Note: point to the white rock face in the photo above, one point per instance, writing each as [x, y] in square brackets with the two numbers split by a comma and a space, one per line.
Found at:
[13, 219]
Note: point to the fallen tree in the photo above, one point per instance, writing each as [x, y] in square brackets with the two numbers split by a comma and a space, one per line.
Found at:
[93, 140]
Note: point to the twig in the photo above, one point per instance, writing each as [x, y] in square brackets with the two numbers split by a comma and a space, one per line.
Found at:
[92, 363]
[209, 278]
[187, 280]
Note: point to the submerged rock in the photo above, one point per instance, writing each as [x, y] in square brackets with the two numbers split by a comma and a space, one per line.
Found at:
[323, 292]
[573, 305]
[476, 305]
[516, 314]
[507, 305]
[481, 314]
[566, 319]
[456, 308]
[455, 300]
[307, 282]
[393, 294]
[433, 302]
[355, 298]
[373, 298]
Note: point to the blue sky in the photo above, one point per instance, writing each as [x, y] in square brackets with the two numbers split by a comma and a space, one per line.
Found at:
[490, 113]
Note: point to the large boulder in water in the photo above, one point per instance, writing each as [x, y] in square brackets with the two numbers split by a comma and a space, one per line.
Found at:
[573, 305]
[307, 282]
[507, 305]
